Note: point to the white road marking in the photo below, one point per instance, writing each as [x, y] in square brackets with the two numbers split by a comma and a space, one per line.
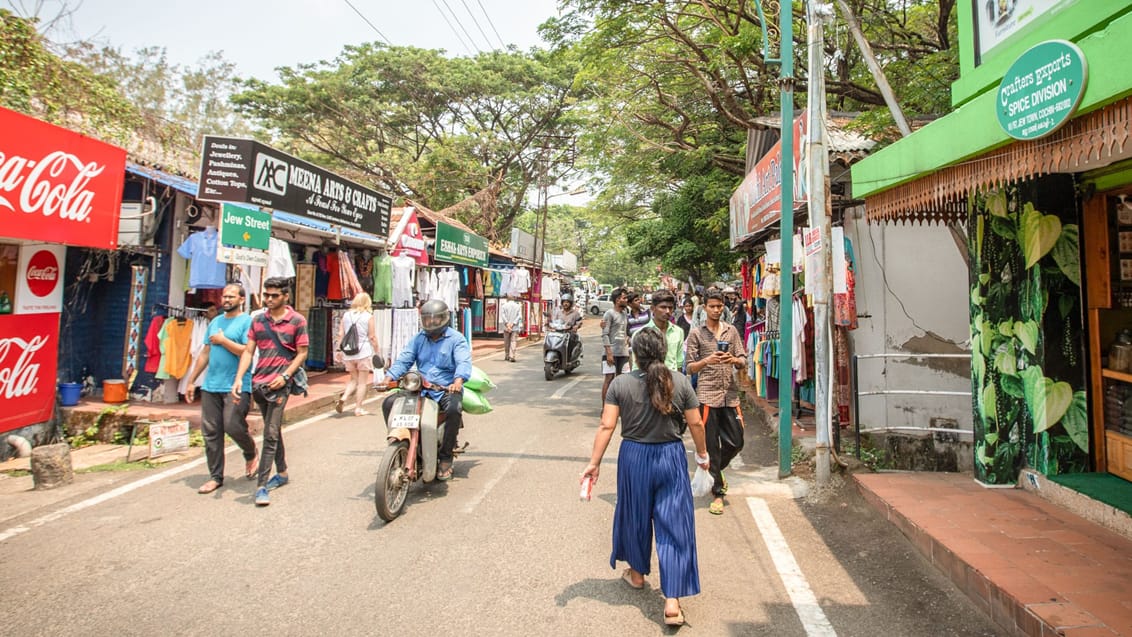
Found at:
[805, 603]
[137, 484]
[565, 388]
[482, 493]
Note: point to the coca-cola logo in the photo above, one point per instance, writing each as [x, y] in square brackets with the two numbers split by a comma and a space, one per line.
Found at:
[19, 376]
[54, 185]
[43, 273]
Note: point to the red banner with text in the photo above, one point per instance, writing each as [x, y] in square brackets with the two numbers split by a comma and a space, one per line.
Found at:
[57, 186]
[29, 350]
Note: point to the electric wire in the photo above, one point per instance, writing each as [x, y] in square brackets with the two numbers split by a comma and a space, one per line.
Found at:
[451, 26]
[366, 20]
[477, 23]
[461, 25]
[491, 23]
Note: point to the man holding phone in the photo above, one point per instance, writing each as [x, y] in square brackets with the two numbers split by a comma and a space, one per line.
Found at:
[715, 350]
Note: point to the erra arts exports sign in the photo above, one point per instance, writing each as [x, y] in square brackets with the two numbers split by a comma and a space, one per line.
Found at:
[454, 245]
[1041, 90]
[246, 171]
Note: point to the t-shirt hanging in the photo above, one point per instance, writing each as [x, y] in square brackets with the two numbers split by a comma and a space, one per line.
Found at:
[402, 268]
[279, 261]
[205, 271]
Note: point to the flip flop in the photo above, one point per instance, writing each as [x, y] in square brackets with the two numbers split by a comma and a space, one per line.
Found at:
[208, 487]
[674, 620]
[716, 507]
[338, 404]
[251, 467]
[628, 579]
[444, 471]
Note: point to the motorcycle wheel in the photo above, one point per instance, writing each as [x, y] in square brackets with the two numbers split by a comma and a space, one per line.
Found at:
[392, 487]
[549, 371]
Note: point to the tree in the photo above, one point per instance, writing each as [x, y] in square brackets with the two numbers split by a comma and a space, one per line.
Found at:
[439, 130]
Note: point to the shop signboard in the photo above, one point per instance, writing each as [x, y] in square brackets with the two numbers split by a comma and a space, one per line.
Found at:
[168, 437]
[246, 171]
[997, 20]
[409, 241]
[244, 237]
[567, 261]
[523, 245]
[755, 204]
[58, 186]
[39, 279]
[1041, 90]
[28, 347]
[454, 245]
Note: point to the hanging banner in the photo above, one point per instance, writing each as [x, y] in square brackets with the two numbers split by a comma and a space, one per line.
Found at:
[57, 186]
[29, 344]
[408, 240]
[246, 171]
[755, 204]
[454, 245]
[39, 279]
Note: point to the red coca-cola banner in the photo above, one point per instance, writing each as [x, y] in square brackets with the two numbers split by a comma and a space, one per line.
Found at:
[29, 344]
[57, 186]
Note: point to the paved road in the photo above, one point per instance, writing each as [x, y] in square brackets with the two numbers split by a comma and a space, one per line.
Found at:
[504, 549]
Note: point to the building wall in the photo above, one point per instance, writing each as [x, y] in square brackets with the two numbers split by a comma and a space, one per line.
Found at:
[911, 288]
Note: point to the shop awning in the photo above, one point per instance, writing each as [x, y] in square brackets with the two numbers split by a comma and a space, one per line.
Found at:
[183, 184]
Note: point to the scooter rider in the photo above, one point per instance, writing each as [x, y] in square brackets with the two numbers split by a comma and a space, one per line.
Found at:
[570, 316]
[444, 359]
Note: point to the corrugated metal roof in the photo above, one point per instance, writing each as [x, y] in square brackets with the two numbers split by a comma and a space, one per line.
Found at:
[184, 184]
[840, 139]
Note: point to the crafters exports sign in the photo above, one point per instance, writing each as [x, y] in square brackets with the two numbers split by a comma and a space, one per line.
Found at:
[1041, 90]
[246, 171]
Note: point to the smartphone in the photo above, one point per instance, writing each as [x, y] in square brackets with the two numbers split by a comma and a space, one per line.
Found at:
[722, 346]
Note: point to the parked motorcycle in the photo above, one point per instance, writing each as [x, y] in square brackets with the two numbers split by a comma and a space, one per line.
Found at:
[555, 356]
[416, 429]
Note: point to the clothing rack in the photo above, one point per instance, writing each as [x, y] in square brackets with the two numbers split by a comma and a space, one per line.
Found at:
[179, 311]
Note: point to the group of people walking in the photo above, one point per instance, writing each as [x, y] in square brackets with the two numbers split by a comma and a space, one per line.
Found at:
[655, 402]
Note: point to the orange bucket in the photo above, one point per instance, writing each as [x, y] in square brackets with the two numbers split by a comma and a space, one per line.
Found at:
[114, 391]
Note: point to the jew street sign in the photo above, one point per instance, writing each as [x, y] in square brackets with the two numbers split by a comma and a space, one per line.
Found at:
[454, 245]
[245, 236]
[1041, 90]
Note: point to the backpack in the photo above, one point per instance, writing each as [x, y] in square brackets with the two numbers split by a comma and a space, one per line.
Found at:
[349, 345]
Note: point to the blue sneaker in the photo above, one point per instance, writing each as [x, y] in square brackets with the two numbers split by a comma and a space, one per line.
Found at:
[261, 497]
[277, 481]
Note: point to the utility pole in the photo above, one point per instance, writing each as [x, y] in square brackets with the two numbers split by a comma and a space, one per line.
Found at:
[785, 62]
[818, 282]
[874, 67]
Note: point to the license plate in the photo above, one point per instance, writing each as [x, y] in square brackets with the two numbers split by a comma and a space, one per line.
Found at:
[404, 421]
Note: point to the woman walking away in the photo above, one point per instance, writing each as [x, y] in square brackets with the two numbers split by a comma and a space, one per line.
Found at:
[359, 364]
[653, 490]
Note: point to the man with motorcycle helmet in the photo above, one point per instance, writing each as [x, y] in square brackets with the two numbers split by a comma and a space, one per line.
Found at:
[569, 316]
[444, 360]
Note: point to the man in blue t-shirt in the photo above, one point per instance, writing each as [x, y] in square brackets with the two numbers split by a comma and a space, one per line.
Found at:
[221, 412]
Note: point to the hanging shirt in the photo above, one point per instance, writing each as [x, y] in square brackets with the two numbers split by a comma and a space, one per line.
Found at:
[383, 279]
[204, 271]
[153, 344]
[402, 268]
[321, 275]
[334, 286]
[178, 343]
[279, 261]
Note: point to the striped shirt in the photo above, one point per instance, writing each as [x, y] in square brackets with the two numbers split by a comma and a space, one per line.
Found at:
[292, 332]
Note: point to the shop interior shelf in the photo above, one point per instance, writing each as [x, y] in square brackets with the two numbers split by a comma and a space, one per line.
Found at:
[1115, 375]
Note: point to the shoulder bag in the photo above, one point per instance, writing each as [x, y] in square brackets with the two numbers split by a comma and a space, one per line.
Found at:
[299, 382]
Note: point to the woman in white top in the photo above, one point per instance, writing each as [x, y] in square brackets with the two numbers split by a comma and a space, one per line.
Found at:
[358, 365]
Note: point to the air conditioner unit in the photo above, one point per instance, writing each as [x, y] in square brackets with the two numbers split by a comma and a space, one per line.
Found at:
[134, 225]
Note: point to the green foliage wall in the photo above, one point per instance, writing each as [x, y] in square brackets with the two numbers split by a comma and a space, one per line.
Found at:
[1027, 360]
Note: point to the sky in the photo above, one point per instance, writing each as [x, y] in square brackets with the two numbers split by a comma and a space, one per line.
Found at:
[260, 35]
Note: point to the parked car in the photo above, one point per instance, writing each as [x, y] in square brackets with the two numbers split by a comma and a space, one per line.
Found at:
[599, 304]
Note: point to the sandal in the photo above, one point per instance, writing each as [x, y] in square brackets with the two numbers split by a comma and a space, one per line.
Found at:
[716, 507]
[208, 487]
[674, 620]
[627, 577]
[339, 404]
[444, 471]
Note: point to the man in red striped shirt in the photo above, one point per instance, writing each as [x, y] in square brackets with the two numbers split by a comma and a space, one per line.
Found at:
[280, 335]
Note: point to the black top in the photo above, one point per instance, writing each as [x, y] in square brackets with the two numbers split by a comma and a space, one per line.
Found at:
[640, 421]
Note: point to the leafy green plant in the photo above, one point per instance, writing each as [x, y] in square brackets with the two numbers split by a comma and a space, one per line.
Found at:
[89, 436]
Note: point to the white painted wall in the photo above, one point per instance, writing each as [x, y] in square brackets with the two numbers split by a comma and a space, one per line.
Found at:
[911, 283]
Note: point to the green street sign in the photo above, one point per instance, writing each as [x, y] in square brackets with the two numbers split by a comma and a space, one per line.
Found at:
[454, 245]
[245, 228]
[1042, 89]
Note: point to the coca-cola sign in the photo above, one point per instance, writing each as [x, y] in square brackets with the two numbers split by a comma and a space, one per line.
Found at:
[39, 283]
[28, 359]
[58, 186]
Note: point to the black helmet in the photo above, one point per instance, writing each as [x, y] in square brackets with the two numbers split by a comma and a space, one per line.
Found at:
[568, 298]
[434, 317]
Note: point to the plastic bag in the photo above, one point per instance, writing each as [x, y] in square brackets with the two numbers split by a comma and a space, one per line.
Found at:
[479, 381]
[701, 482]
[475, 402]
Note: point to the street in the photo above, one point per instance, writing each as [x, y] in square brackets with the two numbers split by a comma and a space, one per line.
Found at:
[505, 548]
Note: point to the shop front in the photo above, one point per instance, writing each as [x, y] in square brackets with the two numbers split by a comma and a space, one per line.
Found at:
[1034, 162]
[57, 189]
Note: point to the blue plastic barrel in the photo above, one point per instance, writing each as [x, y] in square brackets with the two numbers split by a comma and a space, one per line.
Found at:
[69, 393]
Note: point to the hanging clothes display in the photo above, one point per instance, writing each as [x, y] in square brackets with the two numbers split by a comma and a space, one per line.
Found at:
[153, 344]
[196, 348]
[177, 346]
[844, 281]
[204, 270]
[384, 320]
[316, 328]
[351, 287]
[383, 279]
[406, 324]
[403, 269]
[334, 284]
[279, 261]
[321, 274]
[304, 287]
[363, 265]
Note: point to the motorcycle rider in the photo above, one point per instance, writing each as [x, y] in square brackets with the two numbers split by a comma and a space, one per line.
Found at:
[444, 359]
[570, 316]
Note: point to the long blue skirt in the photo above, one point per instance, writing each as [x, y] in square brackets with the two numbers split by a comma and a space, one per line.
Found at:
[654, 492]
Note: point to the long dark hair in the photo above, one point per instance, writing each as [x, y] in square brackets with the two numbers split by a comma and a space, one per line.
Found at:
[650, 347]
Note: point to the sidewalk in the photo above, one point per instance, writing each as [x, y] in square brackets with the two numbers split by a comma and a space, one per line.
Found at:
[1034, 567]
